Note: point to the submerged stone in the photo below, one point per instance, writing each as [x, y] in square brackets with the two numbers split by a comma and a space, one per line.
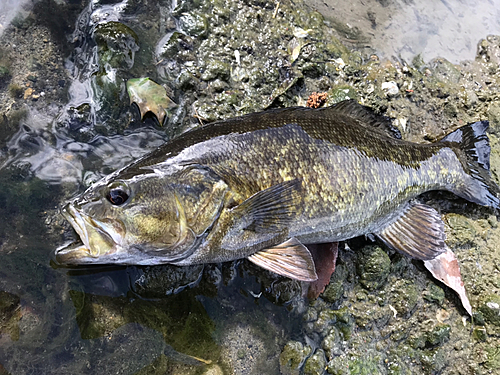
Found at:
[434, 294]
[315, 364]
[117, 44]
[292, 357]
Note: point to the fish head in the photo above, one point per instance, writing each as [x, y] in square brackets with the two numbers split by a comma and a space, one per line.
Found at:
[152, 218]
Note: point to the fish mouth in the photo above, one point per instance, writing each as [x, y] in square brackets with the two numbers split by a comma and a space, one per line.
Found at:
[97, 238]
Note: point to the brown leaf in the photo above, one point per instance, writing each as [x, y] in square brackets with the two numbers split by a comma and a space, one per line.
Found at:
[445, 268]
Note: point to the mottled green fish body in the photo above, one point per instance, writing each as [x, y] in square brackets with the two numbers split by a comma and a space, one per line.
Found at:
[264, 185]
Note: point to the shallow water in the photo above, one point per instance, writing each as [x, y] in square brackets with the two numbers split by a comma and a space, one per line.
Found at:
[126, 319]
[405, 29]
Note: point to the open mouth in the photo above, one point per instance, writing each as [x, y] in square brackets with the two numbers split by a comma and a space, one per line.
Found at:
[78, 223]
[96, 238]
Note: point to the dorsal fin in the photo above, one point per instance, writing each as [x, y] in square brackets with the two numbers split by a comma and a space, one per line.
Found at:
[367, 117]
[418, 232]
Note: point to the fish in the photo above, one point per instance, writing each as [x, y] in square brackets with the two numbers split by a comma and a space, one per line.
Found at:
[265, 185]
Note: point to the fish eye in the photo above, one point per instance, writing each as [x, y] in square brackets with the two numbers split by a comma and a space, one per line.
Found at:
[118, 193]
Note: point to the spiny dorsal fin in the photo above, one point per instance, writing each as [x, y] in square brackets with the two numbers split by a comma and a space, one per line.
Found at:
[366, 116]
[290, 259]
[269, 209]
[418, 232]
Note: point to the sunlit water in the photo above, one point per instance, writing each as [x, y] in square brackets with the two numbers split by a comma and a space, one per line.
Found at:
[48, 331]
[404, 29]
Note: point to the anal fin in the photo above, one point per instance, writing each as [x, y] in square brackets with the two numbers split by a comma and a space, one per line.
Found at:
[418, 232]
[291, 259]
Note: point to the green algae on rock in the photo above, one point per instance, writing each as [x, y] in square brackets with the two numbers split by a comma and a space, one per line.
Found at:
[490, 308]
[373, 267]
[293, 357]
[315, 364]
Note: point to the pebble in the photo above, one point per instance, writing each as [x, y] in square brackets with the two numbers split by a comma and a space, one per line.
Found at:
[28, 92]
[390, 88]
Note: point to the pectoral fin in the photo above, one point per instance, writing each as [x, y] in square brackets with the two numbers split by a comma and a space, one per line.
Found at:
[269, 209]
[418, 232]
[290, 259]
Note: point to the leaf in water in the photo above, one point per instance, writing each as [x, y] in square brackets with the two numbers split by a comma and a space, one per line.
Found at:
[149, 97]
[445, 268]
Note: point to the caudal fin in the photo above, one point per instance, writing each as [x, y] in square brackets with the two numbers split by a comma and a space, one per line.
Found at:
[475, 146]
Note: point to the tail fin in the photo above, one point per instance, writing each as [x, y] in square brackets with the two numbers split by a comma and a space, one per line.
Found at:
[475, 146]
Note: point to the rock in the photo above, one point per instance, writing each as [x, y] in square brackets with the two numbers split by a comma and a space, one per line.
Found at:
[490, 308]
[403, 296]
[293, 357]
[434, 293]
[390, 88]
[117, 45]
[438, 335]
[315, 364]
[373, 267]
[194, 23]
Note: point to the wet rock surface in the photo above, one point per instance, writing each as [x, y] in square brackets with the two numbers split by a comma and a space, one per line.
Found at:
[382, 313]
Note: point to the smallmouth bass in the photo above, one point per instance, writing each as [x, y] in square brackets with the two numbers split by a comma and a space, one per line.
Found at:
[264, 185]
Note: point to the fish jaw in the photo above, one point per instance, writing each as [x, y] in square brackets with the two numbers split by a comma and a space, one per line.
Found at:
[100, 239]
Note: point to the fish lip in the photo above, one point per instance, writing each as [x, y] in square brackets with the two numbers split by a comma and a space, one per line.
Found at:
[82, 252]
[77, 221]
[71, 254]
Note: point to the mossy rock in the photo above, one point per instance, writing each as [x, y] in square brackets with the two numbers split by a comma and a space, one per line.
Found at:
[194, 23]
[315, 364]
[178, 46]
[434, 293]
[4, 75]
[354, 365]
[438, 335]
[292, 357]
[403, 296]
[490, 308]
[216, 69]
[335, 289]
[340, 93]
[117, 44]
[373, 267]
